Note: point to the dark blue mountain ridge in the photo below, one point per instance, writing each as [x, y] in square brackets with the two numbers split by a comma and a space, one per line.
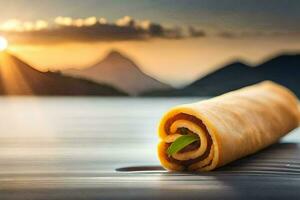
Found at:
[283, 69]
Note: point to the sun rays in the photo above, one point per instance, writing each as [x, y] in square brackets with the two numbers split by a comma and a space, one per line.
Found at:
[12, 77]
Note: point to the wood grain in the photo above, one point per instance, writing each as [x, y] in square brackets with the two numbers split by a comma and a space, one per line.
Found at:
[64, 148]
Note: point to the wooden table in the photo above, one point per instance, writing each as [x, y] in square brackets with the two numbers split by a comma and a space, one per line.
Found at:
[93, 148]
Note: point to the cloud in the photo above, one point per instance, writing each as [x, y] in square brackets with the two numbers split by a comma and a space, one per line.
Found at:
[68, 21]
[256, 34]
[64, 29]
[125, 21]
[68, 29]
[14, 25]
[227, 35]
[193, 32]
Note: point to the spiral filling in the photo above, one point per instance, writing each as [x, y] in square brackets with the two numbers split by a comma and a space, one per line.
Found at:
[198, 154]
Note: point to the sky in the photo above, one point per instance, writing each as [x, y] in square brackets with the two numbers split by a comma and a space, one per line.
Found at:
[228, 14]
[175, 41]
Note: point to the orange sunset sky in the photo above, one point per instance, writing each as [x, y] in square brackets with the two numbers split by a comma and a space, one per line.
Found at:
[175, 43]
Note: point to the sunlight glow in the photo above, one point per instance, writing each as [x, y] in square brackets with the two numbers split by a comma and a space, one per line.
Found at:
[12, 75]
[3, 43]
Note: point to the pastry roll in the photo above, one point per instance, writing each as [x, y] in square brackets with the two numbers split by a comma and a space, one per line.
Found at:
[228, 127]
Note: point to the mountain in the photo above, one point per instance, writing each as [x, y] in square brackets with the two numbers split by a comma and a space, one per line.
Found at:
[283, 69]
[121, 72]
[19, 78]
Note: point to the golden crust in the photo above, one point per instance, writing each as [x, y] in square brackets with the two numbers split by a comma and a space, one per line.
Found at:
[238, 123]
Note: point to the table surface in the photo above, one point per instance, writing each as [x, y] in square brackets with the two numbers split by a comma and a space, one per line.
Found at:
[105, 148]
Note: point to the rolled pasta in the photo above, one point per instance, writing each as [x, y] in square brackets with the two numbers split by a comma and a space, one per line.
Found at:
[230, 126]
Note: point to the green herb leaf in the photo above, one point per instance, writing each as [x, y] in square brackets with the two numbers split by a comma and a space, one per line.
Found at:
[180, 143]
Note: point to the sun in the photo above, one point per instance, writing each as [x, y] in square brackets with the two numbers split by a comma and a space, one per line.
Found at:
[3, 43]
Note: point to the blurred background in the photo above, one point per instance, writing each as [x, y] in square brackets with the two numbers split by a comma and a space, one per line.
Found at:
[84, 83]
[147, 48]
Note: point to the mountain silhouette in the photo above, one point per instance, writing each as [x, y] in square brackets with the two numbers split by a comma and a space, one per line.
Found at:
[121, 72]
[283, 69]
[19, 78]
